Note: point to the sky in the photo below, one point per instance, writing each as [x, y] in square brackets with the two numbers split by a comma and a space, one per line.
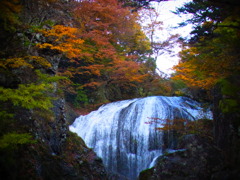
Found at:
[166, 61]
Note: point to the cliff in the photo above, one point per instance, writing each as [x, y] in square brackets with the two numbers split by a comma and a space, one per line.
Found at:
[35, 141]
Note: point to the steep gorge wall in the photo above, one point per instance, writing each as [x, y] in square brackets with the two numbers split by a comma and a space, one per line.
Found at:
[56, 152]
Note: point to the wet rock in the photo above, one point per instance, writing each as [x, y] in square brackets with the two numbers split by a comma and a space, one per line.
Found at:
[198, 159]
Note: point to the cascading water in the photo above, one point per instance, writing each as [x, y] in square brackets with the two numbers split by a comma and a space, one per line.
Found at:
[119, 134]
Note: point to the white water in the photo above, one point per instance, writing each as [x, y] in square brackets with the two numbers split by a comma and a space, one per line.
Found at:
[119, 134]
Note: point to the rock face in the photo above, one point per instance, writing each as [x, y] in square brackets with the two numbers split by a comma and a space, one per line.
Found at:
[57, 154]
[196, 159]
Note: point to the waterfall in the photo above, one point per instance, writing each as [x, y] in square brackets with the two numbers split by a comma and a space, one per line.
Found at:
[119, 134]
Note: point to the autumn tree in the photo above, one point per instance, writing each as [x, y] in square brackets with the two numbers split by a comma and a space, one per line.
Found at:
[160, 44]
[107, 24]
[64, 39]
[113, 42]
[214, 55]
[105, 49]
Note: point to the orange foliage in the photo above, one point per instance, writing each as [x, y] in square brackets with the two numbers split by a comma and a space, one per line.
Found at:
[199, 68]
[126, 71]
[91, 69]
[102, 47]
[191, 74]
[107, 23]
[64, 39]
[211, 59]
[92, 84]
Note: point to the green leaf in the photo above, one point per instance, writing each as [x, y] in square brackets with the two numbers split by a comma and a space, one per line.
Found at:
[13, 139]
